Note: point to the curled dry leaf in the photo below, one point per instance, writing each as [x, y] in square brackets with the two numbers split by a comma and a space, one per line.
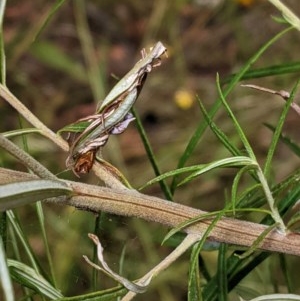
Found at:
[131, 286]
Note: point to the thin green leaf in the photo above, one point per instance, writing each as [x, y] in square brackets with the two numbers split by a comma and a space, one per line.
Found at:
[286, 68]
[279, 191]
[227, 162]
[287, 275]
[105, 295]
[277, 132]
[279, 20]
[55, 58]
[222, 273]
[201, 243]
[5, 280]
[235, 122]
[172, 173]
[76, 127]
[209, 215]
[151, 157]
[28, 277]
[95, 76]
[235, 184]
[247, 195]
[202, 126]
[294, 222]
[187, 223]
[13, 219]
[53, 10]
[293, 146]
[20, 132]
[194, 284]
[218, 132]
[258, 241]
[41, 217]
[21, 193]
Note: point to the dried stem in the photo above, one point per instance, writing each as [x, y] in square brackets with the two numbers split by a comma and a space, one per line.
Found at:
[166, 262]
[132, 203]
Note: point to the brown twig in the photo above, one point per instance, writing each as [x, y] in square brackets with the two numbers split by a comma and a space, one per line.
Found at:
[131, 203]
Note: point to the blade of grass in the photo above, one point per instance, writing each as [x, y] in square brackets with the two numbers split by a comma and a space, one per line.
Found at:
[200, 244]
[95, 76]
[258, 241]
[235, 185]
[287, 275]
[277, 132]
[5, 280]
[151, 157]
[194, 283]
[105, 295]
[222, 273]
[52, 56]
[227, 162]
[172, 173]
[236, 124]
[217, 131]
[48, 17]
[201, 168]
[28, 277]
[294, 147]
[14, 221]
[41, 217]
[286, 68]
[203, 125]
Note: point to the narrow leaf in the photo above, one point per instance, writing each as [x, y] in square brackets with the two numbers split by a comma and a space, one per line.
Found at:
[235, 122]
[151, 157]
[172, 173]
[21, 193]
[293, 146]
[227, 162]
[194, 285]
[52, 56]
[54, 9]
[28, 277]
[293, 67]
[277, 132]
[222, 273]
[5, 280]
[218, 132]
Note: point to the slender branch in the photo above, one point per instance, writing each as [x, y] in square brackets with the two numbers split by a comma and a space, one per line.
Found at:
[31, 118]
[26, 159]
[132, 203]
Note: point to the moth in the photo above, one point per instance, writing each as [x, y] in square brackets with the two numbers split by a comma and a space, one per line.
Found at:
[112, 116]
